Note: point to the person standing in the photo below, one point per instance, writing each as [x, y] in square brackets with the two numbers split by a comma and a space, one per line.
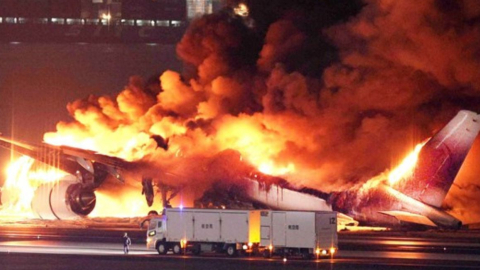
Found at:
[126, 243]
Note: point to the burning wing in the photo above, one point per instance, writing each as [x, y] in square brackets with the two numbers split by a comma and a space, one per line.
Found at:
[70, 159]
[73, 195]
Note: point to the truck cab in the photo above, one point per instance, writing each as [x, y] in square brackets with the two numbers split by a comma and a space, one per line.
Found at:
[156, 231]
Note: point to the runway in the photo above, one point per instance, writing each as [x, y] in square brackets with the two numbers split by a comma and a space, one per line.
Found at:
[67, 248]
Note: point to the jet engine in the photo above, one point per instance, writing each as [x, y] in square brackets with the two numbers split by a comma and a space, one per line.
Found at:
[67, 198]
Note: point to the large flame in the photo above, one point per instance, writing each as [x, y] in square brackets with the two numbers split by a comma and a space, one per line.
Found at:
[129, 203]
[405, 169]
[17, 193]
[23, 179]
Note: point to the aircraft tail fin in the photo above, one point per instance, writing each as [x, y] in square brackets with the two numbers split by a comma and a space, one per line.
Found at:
[440, 160]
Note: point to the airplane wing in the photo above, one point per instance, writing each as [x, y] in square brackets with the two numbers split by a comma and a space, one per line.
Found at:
[72, 195]
[87, 171]
[69, 159]
[410, 217]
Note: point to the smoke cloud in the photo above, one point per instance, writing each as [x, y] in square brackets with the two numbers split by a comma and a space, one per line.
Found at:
[327, 94]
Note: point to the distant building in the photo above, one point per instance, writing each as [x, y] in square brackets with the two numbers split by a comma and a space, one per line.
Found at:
[141, 21]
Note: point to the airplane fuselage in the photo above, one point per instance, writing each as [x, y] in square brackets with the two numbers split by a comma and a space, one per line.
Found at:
[384, 206]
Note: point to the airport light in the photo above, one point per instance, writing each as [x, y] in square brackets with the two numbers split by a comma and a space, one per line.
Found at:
[106, 16]
[183, 243]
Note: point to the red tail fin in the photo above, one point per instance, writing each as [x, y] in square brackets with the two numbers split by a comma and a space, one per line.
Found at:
[440, 160]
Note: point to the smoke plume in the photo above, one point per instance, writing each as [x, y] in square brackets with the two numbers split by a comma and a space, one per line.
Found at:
[327, 94]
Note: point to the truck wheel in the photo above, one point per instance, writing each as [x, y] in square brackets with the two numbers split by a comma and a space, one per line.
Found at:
[231, 251]
[267, 253]
[177, 249]
[162, 249]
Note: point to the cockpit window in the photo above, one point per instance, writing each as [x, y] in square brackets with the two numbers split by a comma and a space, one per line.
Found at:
[152, 225]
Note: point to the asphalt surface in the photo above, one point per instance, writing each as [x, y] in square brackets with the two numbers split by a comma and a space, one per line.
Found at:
[26, 261]
[50, 248]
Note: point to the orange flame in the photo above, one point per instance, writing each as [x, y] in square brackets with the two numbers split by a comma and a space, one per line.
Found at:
[130, 203]
[269, 167]
[17, 193]
[23, 180]
[405, 169]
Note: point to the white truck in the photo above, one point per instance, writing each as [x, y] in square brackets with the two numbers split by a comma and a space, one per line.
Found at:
[202, 230]
[284, 233]
[298, 233]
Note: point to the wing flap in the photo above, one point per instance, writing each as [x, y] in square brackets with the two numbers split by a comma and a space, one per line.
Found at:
[410, 217]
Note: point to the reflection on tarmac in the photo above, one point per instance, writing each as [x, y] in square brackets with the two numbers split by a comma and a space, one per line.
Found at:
[60, 247]
[397, 250]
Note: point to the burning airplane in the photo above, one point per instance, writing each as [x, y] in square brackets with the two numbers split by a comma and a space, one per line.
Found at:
[413, 196]
[290, 105]
[417, 196]
[71, 193]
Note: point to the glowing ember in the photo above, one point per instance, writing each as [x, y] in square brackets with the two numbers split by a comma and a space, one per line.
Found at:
[241, 10]
[405, 169]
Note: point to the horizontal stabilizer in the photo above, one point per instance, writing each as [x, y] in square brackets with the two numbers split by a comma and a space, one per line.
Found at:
[344, 220]
[410, 217]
